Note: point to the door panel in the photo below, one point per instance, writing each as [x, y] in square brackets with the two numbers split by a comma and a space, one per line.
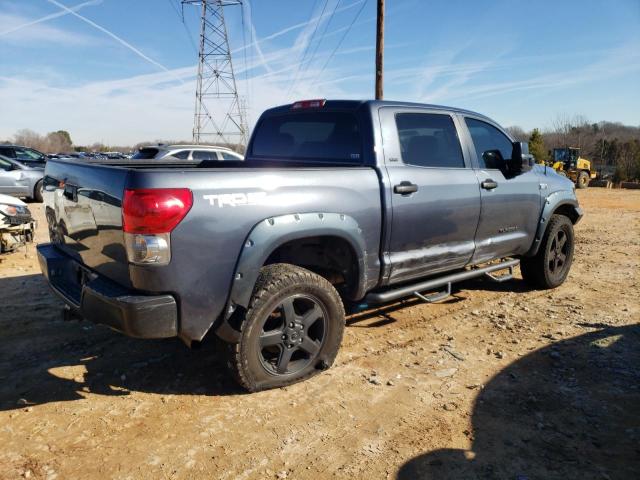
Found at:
[11, 182]
[435, 209]
[510, 207]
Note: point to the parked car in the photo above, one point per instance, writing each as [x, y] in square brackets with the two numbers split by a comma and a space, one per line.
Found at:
[28, 156]
[16, 224]
[18, 179]
[186, 152]
[339, 205]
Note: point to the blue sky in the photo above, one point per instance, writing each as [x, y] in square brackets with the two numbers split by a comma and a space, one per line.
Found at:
[130, 76]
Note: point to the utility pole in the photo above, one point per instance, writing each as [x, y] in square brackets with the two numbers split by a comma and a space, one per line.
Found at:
[380, 51]
[218, 113]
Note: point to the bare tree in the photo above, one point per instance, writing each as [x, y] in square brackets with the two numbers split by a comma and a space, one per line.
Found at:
[518, 133]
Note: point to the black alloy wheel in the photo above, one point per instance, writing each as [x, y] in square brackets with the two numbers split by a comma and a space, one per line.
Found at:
[292, 335]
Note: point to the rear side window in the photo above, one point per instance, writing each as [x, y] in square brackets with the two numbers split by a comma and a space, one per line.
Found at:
[329, 136]
[204, 155]
[230, 156]
[485, 138]
[182, 154]
[429, 140]
[145, 154]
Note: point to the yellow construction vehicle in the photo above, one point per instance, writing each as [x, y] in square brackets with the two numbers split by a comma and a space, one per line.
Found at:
[568, 162]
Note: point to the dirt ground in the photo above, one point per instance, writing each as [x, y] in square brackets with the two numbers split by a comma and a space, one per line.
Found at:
[498, 382]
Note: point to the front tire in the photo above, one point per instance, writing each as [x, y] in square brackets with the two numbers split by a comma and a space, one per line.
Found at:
[37, 192]
[583, 180]
[550, 266]
[291, 331]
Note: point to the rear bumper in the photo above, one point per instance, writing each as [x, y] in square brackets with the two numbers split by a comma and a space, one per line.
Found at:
[103, 301]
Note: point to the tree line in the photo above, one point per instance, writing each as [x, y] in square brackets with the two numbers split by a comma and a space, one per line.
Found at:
[60, 142]
[612, 148]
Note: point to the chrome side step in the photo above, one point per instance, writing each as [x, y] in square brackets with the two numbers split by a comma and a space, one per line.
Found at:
[446, 281]
[435, 297]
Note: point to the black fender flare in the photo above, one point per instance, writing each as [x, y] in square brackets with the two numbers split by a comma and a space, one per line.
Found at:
[269, 234]
[560, 200]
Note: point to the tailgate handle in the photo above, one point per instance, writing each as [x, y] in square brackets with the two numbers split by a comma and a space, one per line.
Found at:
[71, 192]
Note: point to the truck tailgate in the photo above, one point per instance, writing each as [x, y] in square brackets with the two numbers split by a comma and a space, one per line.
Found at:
[83, 207]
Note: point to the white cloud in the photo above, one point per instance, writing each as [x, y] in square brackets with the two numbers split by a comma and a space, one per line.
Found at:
[36, 34]
[130, 110]
[16, 26]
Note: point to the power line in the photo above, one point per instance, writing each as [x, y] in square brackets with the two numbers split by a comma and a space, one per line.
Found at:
[308, 46]
[319, 42]
[184, 24]
[246, 67]
[341, 40]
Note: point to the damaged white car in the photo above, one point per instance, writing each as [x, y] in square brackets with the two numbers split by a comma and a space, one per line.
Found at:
[16, 224]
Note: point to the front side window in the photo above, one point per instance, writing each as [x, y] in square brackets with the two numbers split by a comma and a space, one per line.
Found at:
[487, 139]
[319, 136]
[4, 165]
[429, 140]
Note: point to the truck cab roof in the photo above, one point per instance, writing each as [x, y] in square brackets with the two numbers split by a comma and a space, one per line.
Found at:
[372, 105]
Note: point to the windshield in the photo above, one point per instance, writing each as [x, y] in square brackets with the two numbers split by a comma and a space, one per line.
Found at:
[318, 136]
[29, 155]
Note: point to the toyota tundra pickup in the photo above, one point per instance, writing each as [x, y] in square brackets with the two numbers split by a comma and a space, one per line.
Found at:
[339, 205]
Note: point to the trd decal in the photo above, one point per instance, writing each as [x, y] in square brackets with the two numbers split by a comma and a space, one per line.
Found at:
[236, 199]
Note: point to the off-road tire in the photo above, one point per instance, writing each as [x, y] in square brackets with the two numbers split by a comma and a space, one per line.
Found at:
[583, 180]
[277, 284]
[538, 271]
[37, 192]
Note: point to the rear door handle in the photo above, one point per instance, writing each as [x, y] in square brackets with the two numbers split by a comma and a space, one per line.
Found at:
[405, 188]
[489, 184]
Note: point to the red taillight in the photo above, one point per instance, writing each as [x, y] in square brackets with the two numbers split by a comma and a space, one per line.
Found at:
[318, 103]
[154, 210]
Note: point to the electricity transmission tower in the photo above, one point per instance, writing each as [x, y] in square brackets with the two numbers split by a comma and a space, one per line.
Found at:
[219, 115]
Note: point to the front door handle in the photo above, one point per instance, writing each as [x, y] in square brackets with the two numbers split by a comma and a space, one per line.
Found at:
[405, 188]
[489, 184]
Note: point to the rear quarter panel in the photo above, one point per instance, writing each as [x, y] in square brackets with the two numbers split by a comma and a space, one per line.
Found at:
[206, 245]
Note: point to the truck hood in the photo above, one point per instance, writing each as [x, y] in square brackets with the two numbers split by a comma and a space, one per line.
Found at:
[554, 180]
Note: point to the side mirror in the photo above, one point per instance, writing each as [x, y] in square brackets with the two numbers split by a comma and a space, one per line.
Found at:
[493, 159]
[521, 161]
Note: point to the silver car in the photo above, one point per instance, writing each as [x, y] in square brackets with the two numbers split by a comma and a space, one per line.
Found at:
[187, 152]
[20, 180]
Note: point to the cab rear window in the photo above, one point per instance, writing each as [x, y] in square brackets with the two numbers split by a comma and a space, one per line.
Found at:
[317, 136]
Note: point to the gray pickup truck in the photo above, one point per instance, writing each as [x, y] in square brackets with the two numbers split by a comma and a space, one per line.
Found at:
[339, 205]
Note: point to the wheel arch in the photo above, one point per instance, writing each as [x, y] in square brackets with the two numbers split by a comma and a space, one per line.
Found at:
[287, 239]
[560, 203]
[38, 183]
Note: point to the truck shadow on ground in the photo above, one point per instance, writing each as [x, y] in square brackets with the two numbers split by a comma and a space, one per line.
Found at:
[45, 359]
[571, 410]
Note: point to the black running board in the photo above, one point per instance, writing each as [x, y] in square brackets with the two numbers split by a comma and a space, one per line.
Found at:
[446, 281]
